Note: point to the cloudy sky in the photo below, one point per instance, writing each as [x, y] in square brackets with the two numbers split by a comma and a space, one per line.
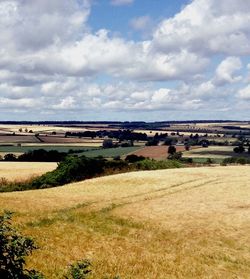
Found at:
[124, 59]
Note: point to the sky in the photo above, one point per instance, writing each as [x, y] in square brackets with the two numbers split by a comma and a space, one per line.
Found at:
[124, 60]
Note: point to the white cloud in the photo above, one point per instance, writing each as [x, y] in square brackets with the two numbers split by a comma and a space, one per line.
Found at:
[65, 104]
[225, 72]
[244, 93]
[49, 56]
[207, 26]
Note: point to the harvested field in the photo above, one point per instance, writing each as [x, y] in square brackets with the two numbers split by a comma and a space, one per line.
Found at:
[214, 152]
[179, 223]
[156, 152]
[55, 140]
[18, 139]
[24, 170]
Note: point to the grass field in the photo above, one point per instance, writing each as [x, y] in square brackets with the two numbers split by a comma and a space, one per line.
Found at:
[219, 152]
[180, 223]
[24, 170]
[60, 148]
[110, 152]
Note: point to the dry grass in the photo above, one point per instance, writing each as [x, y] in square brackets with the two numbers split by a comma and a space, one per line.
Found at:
[211, 152]
[24, 170]
[181, 223]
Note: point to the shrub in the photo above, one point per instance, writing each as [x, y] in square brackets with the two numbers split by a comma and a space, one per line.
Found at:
[79, 270]
[171, 149]
[175, 156]
[239, 149]
[70, 170]
[134, 158]
[187, 160]
[152, 142]
[209, 161]
[10, 157]
[150, 164]
[13, 249]
[236, 160]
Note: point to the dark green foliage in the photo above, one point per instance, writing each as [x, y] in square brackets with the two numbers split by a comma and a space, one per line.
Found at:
[209, 161]
[42, 155]
[175, 156]
[150, 164]
[13, 249]
[171, 149]
[187, 160]
[79, 270]
[236, 160]
[132, 158]
[152, 142]
[107, 143]
[10, 157]
[239, 149]
[70, 170]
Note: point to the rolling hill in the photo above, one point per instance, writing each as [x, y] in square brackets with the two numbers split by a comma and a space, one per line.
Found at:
[178, 223]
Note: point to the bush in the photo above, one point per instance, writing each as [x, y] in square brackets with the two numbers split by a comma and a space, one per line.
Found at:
[175, 156]
[10, 157]
[236, 160]
[13, 250]
[79, 270]
[239, 149]
[150, 164]
[70, 170]
[187, 160]
[209, 161]
[171, 149]
[152, 142]
[134, 158]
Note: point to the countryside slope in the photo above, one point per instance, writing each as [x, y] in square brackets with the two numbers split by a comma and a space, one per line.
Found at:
[179, 223]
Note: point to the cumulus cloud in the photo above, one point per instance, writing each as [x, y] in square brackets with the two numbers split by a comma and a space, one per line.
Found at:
[225, 72]
[65, 104]
[50, 58]
[207, 26]
[244, 93]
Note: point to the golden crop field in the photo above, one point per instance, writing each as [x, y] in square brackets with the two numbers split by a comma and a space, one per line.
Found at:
[24, 170]
[180, 223]
[211, 152]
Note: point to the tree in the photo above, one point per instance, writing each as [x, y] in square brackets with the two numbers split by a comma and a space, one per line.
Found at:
[10, 157]
[171, 149]
[107, 143]
[239, 149]
[13, 249]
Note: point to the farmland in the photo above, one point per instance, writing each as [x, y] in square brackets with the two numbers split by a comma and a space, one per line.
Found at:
[182, 223]
[12, 171]
[155, 152]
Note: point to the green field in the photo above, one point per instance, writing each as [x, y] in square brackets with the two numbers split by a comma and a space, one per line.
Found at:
[88, 151]
[60, 148]
[110, 152]
[205, 160]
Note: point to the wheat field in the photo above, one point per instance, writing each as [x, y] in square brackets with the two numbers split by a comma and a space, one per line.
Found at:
[19, 171]
[181, 223]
